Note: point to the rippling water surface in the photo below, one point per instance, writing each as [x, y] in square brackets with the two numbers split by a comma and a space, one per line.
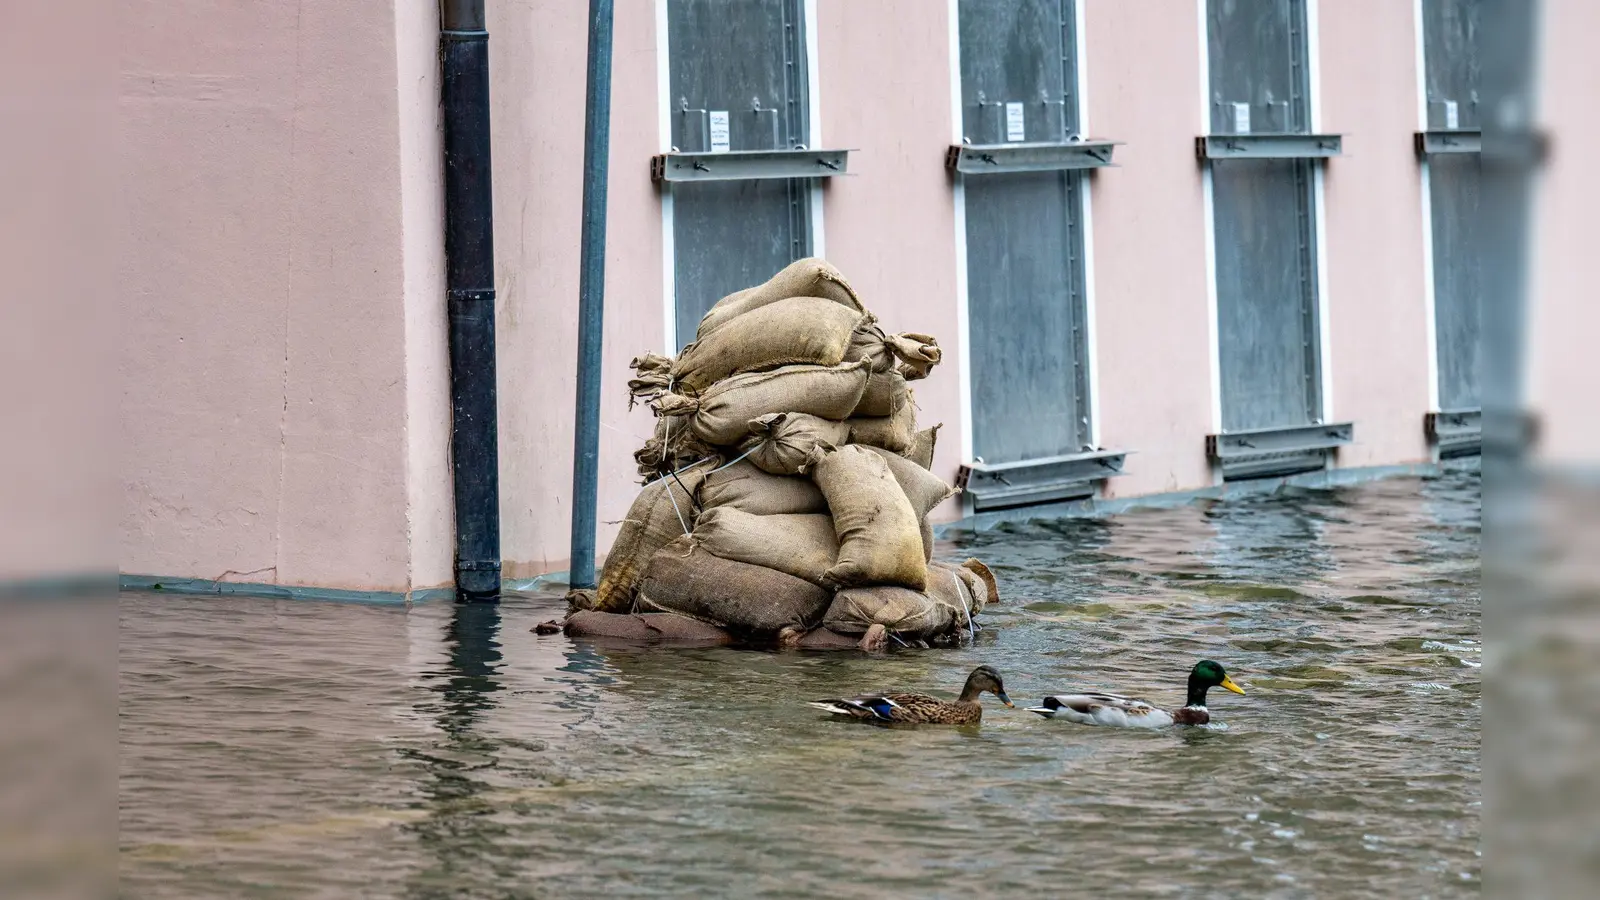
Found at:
[294, 748]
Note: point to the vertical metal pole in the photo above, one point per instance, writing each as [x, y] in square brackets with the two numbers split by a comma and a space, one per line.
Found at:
[591, 296]
[469, 267]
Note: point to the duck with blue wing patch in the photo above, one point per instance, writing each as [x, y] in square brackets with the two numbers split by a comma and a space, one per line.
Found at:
[910, 708]
[1129, 712]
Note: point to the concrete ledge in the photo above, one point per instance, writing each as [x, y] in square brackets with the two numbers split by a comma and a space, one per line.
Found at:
[556, 582]
[553, 581]
[198, 586]
[1078, 509]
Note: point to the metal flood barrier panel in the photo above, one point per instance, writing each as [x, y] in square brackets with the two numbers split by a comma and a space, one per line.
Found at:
[1264, 218]
[739, 80]
[1025, 266]
[1451, 72]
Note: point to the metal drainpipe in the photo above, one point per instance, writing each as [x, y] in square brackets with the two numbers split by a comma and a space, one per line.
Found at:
[469, 264]
[591, 297]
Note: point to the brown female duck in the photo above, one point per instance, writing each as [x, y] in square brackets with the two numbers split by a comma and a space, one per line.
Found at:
[908, 708]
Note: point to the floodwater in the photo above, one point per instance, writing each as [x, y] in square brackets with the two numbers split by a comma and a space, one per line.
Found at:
[304, 749]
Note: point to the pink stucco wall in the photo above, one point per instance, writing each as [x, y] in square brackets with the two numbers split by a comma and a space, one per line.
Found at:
[537, 118]
[430, 509]
[264, 407]
[1149, 221]
[1563, 318]
[1377, 312]
[538, 59]
[58, 330]
[285, 406]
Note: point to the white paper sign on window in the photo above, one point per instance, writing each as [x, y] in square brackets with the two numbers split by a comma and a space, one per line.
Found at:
[1015, 125]
[1452, 115]
[1241, 118]
[719, 131]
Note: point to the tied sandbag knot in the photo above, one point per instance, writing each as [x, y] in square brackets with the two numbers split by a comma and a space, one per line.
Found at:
[784, 443]
[674, 404]
[869, 343]
[918, 354]
[653, 377]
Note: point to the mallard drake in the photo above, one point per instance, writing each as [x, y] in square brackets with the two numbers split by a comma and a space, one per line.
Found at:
[1127, 712]
[910, 708]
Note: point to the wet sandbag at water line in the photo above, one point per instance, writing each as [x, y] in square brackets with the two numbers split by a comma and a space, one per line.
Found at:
[647, 628]
[990, 593]
[664, 510]
[804, 546]
[721, 416]
[880, 537]
[809, 277]
[746, 488]
[941, 613]
[753, 602]
[782, 443]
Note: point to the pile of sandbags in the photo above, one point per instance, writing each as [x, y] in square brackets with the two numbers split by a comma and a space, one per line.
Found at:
[787, 487]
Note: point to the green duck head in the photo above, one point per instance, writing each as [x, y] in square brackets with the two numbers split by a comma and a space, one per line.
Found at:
[1206, 675]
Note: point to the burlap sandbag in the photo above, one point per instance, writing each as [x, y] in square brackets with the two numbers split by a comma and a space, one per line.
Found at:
[922, 446]
[793, 331]
[748, 600]
[893, 433]
[781, 443]
[986, 578]
[939, 612]
[651, 628]
[721, 416]
[924, 489]
[880, 538]
[823, 639]
[975, 592]
[918, 354]
[652, 375]
[746, 488]
[673, 447]
[804, 546]
[871, 343]
[808, 277]
[886, 392]
[662, 511]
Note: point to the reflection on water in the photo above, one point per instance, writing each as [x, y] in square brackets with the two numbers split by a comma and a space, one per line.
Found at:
[282, 748]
